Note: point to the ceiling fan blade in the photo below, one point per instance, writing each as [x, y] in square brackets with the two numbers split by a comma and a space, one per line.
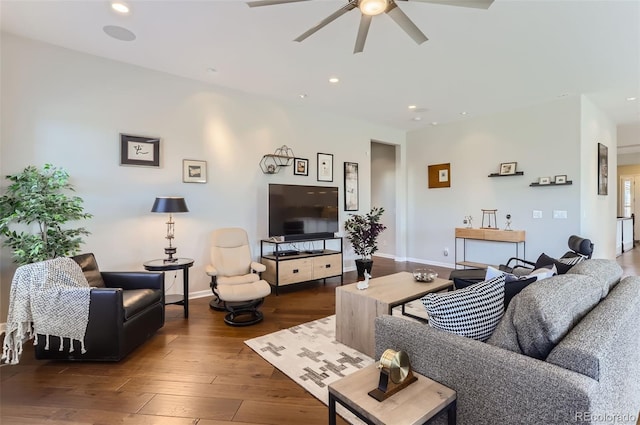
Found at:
[363, 30]
[335, 15]
[258, 3]
[406, 24]
[477, 4]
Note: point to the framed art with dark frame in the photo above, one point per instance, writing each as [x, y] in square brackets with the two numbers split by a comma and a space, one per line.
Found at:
[325, 167]
[300, 167]
[194, 171]
[603, 169]
[138, 150]
[351, 202]
[439, 175]
[508, 168]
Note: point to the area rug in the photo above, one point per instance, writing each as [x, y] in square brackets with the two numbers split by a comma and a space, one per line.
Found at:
[310, 355]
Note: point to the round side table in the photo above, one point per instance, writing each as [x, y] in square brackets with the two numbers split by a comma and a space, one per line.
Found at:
[165, 266]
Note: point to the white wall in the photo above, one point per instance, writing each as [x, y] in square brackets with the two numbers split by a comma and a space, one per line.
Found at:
[68, 108]
[544, 140]
[598, 211]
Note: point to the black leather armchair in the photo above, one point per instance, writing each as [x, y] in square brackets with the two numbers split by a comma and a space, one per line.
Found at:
[126, 309]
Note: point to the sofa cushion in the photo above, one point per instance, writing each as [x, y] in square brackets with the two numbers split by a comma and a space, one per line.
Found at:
[586, 348]
[512, 287]
[544, 312]
[473, 312]
[608, 271]
[544, 260]
[89, 267]
[136, 300]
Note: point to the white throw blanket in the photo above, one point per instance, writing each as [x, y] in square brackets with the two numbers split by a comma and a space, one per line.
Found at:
[48, 298]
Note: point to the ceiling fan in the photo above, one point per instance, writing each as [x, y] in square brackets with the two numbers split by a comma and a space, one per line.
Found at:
[371, 8]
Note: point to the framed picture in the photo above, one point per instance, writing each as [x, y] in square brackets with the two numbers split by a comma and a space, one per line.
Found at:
[439, 175]
[138, 150]
[351, 186]
[300, 167]
[325, 167]
[544, 180]
[194, 171]
[561, 179]
[508, 168]
[603, 169]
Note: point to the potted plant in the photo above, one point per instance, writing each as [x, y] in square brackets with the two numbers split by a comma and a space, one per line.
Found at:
[363, 231]
[35, 200]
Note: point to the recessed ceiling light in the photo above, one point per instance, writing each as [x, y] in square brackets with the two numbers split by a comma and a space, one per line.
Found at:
[120, 7]
[463, 113]
[119, 33]
[412, 106]
[434, 123]
[631, 98]
[302, 96]
[417, 118]
[334, 80]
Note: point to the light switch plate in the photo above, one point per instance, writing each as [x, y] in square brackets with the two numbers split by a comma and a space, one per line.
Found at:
[537, 214]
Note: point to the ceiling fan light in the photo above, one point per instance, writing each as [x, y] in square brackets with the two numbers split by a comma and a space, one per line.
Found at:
[373, 7]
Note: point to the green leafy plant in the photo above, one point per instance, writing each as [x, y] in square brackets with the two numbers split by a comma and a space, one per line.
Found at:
[35, 200]
[363, 231]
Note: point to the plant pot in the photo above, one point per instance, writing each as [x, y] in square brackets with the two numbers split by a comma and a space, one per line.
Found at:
[362, 266]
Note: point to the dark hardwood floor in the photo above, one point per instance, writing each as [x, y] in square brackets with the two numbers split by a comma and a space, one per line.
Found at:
[195, 371]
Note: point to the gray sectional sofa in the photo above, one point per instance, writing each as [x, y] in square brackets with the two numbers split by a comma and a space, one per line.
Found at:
[566, 351]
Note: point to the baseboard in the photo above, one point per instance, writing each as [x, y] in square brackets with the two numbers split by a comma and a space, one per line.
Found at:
[200, 294]
[431, 263]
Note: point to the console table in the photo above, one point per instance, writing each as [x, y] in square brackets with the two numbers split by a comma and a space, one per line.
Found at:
[164, 266]
[515, 237]
[302, 264]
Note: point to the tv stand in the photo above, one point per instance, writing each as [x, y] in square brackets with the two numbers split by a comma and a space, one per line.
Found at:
[290, 266]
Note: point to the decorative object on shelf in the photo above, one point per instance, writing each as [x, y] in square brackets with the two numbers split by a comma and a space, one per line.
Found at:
[351, 200]
[272, 162]
[170, 205]
[325, 167]
[194, 171]
[138, 150]
[508, 224]
[300, 167]
[36, 197]
[395, 374]
[363, 231]
[603, 169]
[508, 168]
[439, 175]
[544, 180]
[490, 216]
[561, 179]
[424, 275]
[467, 221]
[364, 284]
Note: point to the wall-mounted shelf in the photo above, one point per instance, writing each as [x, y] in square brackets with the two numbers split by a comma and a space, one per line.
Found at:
[518, 173]
[552, 184]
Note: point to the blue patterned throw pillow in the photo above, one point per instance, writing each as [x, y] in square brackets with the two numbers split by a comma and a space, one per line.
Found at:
[473, 312]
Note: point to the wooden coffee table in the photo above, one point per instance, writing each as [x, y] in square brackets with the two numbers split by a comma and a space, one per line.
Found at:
[418, 403]
[357, 309]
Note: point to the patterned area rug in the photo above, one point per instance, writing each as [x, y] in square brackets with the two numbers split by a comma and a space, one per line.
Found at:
[309, 354]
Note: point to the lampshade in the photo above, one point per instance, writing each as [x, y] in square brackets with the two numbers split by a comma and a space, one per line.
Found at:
[169, 204]
[373, 7]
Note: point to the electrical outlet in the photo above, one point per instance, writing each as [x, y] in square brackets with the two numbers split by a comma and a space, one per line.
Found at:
[537, 214]
[446, 252]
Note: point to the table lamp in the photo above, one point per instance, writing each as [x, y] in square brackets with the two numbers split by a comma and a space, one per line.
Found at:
[169, 204]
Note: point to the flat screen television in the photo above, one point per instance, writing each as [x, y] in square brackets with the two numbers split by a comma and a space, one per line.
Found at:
[302, 212]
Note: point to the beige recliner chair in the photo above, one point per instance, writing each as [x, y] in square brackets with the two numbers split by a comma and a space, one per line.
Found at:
[235, 278]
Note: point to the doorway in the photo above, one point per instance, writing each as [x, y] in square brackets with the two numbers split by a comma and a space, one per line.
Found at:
[383, 194]
[629, 199]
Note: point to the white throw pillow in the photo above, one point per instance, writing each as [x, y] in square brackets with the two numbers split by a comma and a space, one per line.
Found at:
[473, 312]
[544, 272]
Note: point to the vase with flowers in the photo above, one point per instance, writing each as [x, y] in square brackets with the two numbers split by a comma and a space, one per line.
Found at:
[363, 231]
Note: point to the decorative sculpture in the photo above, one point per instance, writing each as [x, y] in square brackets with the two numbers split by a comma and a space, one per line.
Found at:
[364, 284]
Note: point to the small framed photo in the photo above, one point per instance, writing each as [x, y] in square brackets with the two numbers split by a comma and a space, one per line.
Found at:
[300, 167]
[325, 167]
[544, 180]
[561, 179]
[508, 168]
[138, 150]
[194, 171]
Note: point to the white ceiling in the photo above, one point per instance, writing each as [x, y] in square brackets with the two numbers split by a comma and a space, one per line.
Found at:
[514, 54]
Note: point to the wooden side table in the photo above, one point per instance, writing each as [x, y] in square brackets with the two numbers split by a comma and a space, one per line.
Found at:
[419, 403]
[180, 263]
